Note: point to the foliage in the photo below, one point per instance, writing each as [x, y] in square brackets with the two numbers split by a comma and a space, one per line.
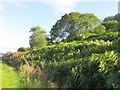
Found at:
[22, 49]
[109, 18]
[38, 38]
[116, 17]
[28, 80]
[14, 59]
[29, 76]
[87, 63]
[92, 61]
[109, 35]
[100, 29]
[110, 24]
[71, 26]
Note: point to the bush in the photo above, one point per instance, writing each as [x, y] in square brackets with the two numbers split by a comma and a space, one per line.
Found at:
[22, 49]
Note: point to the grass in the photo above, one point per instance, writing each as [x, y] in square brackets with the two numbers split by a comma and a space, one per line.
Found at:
[0, 73]
[8, 77]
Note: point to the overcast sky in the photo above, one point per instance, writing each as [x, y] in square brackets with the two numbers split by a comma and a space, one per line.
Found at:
[16, 18]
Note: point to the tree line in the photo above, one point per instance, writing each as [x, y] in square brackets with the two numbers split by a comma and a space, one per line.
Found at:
[72, 26]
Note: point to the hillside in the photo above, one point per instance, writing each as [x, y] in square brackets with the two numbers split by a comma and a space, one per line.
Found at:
[61, 44]
[92, 62]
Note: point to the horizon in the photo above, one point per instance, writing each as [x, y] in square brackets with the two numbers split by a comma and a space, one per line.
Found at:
[16, 18]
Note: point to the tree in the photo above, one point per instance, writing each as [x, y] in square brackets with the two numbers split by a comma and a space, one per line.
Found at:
[71, 25]
[109, 18]
[110, 24]
[38, 37]
[112, 18]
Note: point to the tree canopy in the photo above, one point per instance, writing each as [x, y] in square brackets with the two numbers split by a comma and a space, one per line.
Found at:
[109, 18]
[71, 26]
[110, 24]
[38, 37]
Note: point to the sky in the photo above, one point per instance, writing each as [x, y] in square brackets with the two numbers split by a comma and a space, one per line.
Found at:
[18, 16]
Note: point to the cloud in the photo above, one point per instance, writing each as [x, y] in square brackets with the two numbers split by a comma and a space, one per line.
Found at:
[119, 7]
[20, 4]
[9, 43]
[100, 0]
[1, 22]
[61, 6]
[65, 6]
[2, 7]
[58, 0]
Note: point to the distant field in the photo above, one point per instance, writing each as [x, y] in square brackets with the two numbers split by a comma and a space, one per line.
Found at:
[8, 76]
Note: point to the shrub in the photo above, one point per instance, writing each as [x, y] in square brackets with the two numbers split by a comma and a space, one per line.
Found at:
[22, 49]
